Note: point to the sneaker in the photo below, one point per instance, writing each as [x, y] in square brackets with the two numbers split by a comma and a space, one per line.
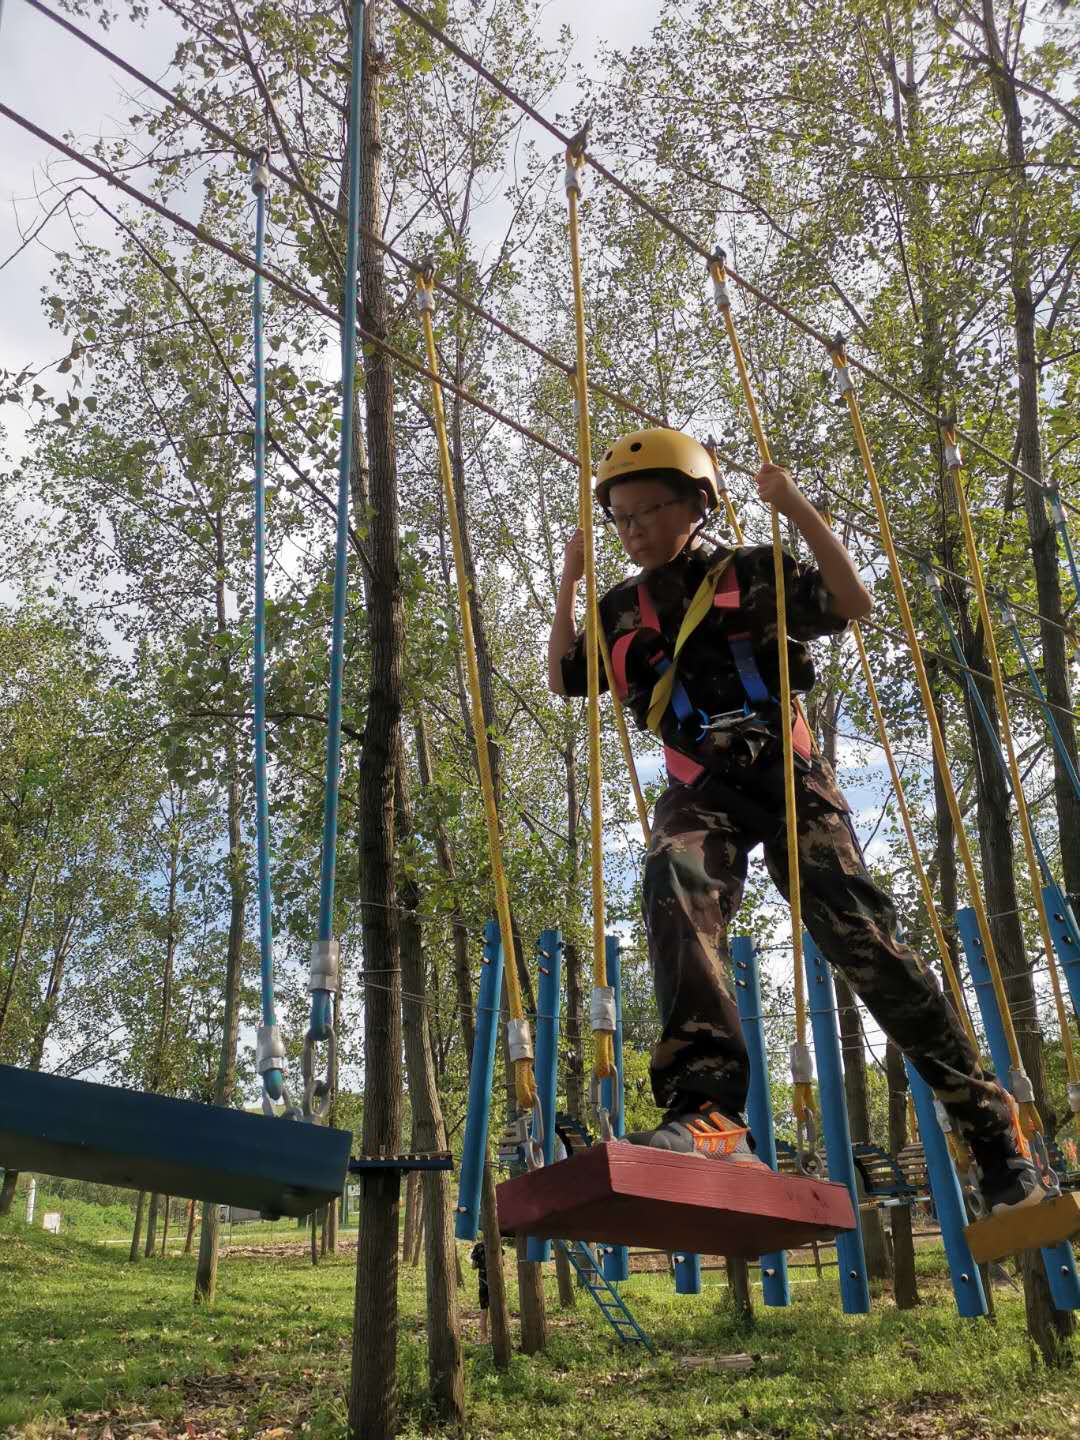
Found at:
[704, 1131]
[1014, 1185]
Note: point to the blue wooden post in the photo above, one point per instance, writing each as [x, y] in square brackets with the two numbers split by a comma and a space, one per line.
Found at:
[775, 1288]
[1066, 938]
[687, 1273]
[948, 1199]
[1059, 1260]
[548, 992]
[616, 1257]
[481, 1078]
[854, 1287]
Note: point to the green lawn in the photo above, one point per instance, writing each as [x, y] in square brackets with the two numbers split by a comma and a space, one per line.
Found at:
[91, 1346]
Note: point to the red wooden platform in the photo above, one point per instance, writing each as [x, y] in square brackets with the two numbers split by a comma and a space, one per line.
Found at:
[622, 1194]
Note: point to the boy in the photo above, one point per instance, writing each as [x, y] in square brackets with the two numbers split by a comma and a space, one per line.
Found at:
[713, 705]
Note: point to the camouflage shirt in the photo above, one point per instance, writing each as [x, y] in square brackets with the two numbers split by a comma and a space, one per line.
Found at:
[706, 665]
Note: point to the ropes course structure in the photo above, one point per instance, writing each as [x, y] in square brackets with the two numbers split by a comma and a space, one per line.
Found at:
[289, 1188]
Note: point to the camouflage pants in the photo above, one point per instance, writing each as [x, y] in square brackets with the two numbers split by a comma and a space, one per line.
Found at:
[695, 868]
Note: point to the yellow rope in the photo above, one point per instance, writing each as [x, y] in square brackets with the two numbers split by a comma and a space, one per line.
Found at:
[802, 1095]
[947, 965]
[624, 737]
[1034, 874]
[604, 1060]
[524, 1078]
[1029, 1116]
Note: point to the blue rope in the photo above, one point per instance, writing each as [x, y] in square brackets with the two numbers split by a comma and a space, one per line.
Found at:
[272, 1079]
[1036, 685]
[1059, 525]
[320, 999]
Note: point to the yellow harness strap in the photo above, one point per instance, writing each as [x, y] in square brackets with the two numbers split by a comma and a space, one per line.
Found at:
[699, 607]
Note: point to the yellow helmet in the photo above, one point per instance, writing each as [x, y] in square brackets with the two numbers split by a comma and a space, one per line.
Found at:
[658, 453]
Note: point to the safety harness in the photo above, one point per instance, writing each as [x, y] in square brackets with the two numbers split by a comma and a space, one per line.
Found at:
[719, 590]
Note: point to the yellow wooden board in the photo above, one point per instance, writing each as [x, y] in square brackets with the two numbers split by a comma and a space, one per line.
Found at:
[1030, 1229]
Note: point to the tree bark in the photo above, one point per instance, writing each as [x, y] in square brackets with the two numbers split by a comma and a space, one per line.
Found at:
[151, 1224]
[565, 1278]
[206, 1268]
[875, 1245]
[373, 1386]
[446, 1372]
[499, 1311]
[136, 1230]
[190, 1236]
[1044, 553]
[738, 1275]
[412, 1195]
[165, 1227]
[905, 1284]
[7, 1191]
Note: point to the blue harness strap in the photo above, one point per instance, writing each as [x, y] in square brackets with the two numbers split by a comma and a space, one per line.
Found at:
[742, 652]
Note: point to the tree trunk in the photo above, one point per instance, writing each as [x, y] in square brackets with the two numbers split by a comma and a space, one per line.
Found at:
[136, 1231]
[313, 1235]
[446, 1374]
[151, 1224]
[412, 1196]
[7, 1191]
[499, 1307]
[905, 1285]
[875, 1245]
[530, 1301]
[1044, 554]
[373, 1386]
[499, 1310]
[738, 1275]
[206, 1269]
[190, 1236]
[165, 1227]
[564, 1276]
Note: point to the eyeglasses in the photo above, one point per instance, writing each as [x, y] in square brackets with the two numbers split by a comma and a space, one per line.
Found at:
[643, 518]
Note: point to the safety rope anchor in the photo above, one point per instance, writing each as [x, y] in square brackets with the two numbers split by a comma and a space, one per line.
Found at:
[607, 1116]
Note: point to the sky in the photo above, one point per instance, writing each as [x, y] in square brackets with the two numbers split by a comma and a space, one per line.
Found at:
[93, 101]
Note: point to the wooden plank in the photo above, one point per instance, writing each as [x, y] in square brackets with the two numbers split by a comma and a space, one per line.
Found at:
[1031, 1228]
[84, 1131]
[621, 1194]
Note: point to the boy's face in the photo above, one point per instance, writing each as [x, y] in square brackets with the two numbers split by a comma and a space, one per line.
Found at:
[652, 522]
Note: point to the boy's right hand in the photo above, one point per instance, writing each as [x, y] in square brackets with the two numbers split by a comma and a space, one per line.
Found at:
[574, 557]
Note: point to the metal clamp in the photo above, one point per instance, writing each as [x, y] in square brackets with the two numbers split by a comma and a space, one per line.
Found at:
[1057, 510]
[602, 1009]
[270, 1051]
[844, 383]
[721, 294]
[1021, 1087]
[260, 173]
[519, 1037]
[953, 458]
[318, 1093]
[325, 970]
[802, 1067]
[425, 300]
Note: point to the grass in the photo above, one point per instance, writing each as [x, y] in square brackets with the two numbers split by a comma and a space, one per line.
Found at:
[92, 1346]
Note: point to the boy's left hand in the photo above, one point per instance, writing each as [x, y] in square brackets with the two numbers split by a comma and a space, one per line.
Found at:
[776, 487]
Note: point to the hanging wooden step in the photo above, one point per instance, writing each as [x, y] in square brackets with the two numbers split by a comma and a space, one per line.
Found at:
[1032, 1228]
[622, 1194]
[83, 1131]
